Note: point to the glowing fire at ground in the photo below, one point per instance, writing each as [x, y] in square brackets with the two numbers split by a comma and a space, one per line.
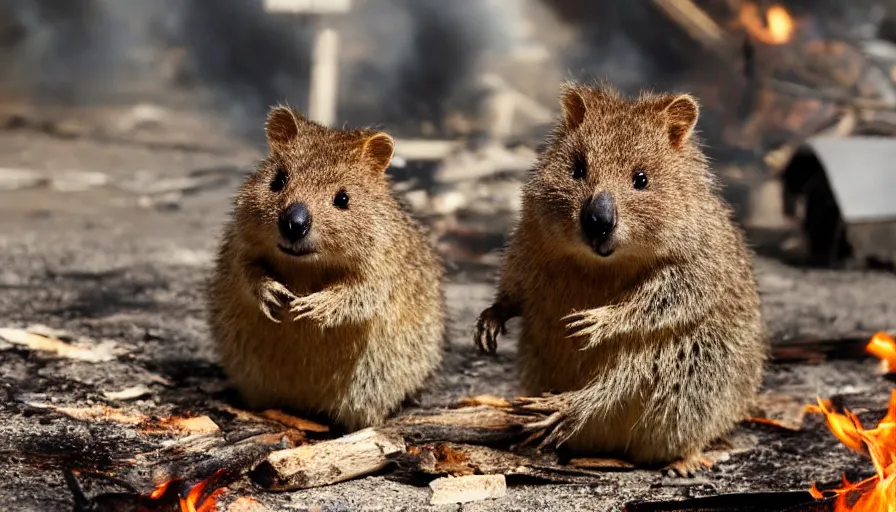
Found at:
[883, 347]
[775, 28]
[193, 501]
[878, 493]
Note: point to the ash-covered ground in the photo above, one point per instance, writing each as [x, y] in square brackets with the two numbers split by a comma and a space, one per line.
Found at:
[110, 236]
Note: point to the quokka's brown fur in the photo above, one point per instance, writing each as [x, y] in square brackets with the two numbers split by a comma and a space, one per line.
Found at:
[349, 321]
[656, 348]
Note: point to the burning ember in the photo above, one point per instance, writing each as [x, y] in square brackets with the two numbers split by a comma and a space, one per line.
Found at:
[877, 493]
[776, 28]
[883, 347]
[193, 502]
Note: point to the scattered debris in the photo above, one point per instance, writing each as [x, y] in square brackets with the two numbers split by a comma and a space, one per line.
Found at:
[148, 425]
[19, 179]
[424, 149]
[779, 410]
[601, 463]
[44, 339]
[358, 454]
[246, 504]
[464, 489]
[130, 393]
[77, 181]
[294, 422]
[490, 400]
[143, 115]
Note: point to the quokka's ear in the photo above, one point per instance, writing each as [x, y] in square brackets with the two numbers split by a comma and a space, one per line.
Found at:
[681, 113]
[378, 149]
[572, 103]
[283, 125]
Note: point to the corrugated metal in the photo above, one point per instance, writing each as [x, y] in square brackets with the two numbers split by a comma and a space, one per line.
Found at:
[862, 174]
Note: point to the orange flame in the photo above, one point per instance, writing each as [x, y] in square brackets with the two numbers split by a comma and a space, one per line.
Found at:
[209, 504]
[883, 347]
[776, 28]
[192, 503]
[877, 493]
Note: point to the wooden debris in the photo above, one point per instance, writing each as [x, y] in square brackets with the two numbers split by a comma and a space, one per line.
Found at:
[601, 463]
[40, 339]
[200, 457]
[358, 454]
[425, 149]
[490, 400]
[699, 26]
[778, 410]
[818, 349]
[476, 425]
[294, 422]
[451, 459]
[464, 489]
[147, 425]
[130, 393]
[95, 413]
[193, 424]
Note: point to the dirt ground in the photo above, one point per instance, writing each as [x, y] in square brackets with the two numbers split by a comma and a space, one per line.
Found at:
[122, 254]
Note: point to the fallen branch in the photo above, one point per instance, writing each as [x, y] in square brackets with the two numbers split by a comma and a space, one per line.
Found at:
[842, 98]
[361, 453]
[699, 26]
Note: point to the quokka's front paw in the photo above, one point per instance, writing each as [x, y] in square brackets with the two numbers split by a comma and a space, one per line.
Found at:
[563, 418]
[590, 324]
[272, 296]
[316, 307]
[488, 326]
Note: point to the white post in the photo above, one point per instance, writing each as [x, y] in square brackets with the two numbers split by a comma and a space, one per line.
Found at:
[324, 84]
[324, 73]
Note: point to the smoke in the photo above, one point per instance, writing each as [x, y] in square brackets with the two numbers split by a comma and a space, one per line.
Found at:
[404, 61]
[405, 64]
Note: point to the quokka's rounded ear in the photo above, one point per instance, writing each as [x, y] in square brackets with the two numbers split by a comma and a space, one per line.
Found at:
[572, 103]
[378, 149]
[681, 113]
[283, 125]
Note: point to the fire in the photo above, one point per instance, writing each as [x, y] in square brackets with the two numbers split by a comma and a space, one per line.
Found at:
[776, 28]
[884, 348]
[877, 493]
[209, 504]
[193, 501]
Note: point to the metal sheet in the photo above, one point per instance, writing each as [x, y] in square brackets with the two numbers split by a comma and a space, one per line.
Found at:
[862, 174]
[308, 6]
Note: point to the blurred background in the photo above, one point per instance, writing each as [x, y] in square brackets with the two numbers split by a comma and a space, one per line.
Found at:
[470, 87]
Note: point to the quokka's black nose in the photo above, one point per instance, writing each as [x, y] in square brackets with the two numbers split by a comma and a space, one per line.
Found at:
[598, 217]
[295, 222]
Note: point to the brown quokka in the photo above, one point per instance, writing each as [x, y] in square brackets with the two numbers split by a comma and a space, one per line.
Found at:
[636, 291]
[327, 296]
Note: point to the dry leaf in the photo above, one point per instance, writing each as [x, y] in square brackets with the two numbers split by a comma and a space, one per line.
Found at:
[779, 410]
[101, 352]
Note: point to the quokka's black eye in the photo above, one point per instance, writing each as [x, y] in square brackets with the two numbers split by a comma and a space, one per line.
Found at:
[279, 181]
[341, 200]
[579, 167]
[639, 180]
